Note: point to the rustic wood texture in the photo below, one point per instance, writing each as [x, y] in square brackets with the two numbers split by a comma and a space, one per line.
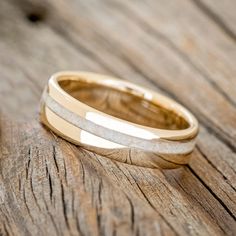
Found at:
[185, 49]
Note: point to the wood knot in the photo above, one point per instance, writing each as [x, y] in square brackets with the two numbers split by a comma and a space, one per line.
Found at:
[34, 18]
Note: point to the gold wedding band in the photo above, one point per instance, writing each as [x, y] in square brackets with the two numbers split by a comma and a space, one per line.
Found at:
[118, 119]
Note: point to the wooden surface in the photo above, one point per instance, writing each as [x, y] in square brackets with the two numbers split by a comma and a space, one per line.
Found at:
[185, 49]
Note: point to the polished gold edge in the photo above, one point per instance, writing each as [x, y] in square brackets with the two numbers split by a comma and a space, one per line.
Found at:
[72, 104]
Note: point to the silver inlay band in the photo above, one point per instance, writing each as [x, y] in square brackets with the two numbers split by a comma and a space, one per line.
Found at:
[159, 146]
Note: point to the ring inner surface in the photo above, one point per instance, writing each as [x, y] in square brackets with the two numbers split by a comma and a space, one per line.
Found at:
[124, 105]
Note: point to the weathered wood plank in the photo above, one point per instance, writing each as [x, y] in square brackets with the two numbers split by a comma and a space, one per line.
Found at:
[59, 189]
[209, 91]
[56, 188]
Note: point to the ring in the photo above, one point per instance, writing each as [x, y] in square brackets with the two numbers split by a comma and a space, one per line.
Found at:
[118, 119]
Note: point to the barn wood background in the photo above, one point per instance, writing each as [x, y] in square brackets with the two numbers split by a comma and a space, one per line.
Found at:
[185, 49]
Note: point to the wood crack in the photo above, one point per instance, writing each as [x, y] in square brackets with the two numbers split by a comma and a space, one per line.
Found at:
[132, 212]
[54, 154]
[212, 193]
[201, 204]
[64, 207]
[214, 166]
[215, 18]
[154, 208]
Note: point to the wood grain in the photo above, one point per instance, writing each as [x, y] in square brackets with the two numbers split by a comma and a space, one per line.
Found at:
[185, 49]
